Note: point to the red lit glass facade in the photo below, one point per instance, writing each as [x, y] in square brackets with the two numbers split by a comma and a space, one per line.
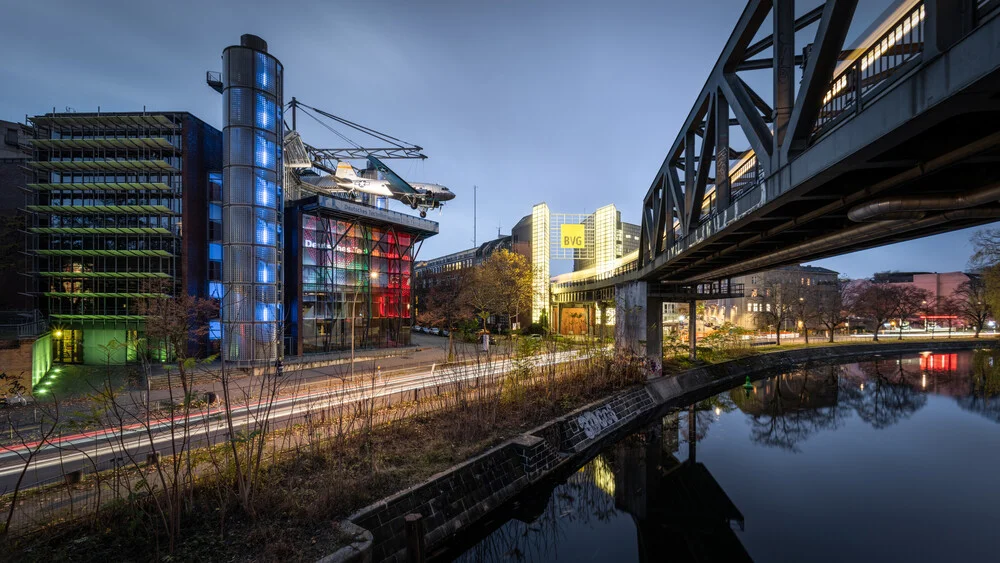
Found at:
[353, 271]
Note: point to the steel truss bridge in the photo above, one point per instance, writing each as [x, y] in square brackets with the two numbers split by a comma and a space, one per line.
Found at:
[892, 140]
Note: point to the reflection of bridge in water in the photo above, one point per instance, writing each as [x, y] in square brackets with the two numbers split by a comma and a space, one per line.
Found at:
[680, 510]
[852, 146]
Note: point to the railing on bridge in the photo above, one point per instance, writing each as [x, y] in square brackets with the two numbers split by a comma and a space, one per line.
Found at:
[890, 52]
[620, 271]
[870, 72]
[752, 195]
[722, 289]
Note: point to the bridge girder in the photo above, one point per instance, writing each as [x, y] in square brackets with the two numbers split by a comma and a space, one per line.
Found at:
[815, 140]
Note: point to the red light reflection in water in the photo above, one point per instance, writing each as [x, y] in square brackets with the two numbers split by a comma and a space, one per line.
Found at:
[938, 362]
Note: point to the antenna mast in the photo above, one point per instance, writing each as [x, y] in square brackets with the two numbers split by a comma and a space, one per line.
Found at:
[475, 189]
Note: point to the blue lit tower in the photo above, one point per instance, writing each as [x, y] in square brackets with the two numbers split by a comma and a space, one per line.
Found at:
[252, 202]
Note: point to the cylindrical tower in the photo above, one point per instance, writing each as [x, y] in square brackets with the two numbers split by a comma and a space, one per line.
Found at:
[252, 203]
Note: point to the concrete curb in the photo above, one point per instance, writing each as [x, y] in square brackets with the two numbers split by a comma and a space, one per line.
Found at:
[359, 550]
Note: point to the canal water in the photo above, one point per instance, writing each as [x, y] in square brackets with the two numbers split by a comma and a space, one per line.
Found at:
[892, 459]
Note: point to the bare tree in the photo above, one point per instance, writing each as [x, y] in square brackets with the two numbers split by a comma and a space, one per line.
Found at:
[874, 302]
[972, 303]
[911, 301]
[479, 294]
[175, 326]
[987, 248]
[805, 306]
[830, 313]
[776, 305]
[443, 304]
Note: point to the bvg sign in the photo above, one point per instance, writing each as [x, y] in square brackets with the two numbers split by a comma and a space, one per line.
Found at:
[572, 236]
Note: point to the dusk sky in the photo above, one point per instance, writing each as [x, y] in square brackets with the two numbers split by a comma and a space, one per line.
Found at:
[571, 103]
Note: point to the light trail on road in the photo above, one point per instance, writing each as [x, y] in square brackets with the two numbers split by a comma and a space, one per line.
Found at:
[130, 442]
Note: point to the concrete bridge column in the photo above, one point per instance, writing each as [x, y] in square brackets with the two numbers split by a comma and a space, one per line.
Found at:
[693, 328]
[639, 324]
[603, 312]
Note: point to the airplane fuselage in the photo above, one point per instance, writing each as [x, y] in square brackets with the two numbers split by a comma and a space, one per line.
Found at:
[381, 188]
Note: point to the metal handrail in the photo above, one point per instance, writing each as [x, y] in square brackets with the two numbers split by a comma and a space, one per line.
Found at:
[900, 44]
[33, 325]
[903, 42]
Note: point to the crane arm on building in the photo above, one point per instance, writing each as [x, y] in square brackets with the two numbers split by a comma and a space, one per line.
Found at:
[393, 147]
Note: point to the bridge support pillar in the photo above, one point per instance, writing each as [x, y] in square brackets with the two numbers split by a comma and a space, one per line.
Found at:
[693, 328]
[603, 312]
[639, 324]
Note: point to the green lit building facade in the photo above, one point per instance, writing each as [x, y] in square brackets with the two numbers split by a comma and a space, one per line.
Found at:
[118, 210]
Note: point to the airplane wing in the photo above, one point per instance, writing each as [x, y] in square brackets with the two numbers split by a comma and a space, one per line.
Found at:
[396, 184]
[327, 182]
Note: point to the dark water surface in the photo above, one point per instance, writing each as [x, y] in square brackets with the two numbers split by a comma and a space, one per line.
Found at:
[894, 459]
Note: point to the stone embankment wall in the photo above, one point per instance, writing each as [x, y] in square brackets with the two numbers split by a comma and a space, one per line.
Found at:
[458, 497]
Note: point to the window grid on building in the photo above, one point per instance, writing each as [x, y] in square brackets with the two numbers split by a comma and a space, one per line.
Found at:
[354, 277]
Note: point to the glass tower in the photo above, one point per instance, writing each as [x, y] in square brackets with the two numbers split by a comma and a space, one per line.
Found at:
[252, 203]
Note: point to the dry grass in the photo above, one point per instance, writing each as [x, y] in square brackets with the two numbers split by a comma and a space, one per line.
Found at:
[316, 474]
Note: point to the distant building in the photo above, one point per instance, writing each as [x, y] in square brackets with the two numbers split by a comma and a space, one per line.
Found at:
[429, 273]
[424, 270]
[603, 243]
[606, 243]
[613, 238]
[939, 285]
[741, 311]
[15, 151]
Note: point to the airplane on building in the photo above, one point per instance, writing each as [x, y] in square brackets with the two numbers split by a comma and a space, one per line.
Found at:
[417, 195]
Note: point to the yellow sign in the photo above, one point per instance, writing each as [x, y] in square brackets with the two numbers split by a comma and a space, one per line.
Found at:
[572, 236]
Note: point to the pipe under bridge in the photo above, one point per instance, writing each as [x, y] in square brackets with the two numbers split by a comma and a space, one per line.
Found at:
[892, 138]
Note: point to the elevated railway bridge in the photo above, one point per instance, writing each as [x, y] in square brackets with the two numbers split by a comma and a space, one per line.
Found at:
[894, 138]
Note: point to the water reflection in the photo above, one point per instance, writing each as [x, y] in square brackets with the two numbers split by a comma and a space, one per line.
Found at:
[651, 495]
[673, 505]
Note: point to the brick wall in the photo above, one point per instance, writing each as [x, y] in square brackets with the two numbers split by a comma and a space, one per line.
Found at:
[15, 359]
[453, 499]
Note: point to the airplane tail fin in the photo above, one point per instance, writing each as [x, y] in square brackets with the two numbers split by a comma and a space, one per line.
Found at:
[345, 170]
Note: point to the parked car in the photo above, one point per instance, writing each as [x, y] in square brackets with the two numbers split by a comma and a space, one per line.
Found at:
[444, 332]
[535, 336]
[416, 328]
[435, 331]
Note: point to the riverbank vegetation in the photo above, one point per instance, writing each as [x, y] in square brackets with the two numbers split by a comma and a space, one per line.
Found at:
[274, 491]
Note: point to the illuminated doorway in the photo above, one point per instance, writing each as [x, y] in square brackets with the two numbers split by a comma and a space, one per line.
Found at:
[67, 346]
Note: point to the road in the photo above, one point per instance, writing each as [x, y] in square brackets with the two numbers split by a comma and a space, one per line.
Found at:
[104, 448]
